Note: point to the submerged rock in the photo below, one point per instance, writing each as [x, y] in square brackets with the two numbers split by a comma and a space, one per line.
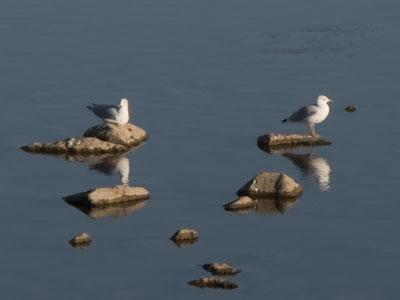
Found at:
[350, 108]
[273, 140]
[240, 204]
[84, 146]
[114, 210]
[127, 135]
[215, 283]
[185, 237]
[108, 195]
[81, 241]
[221, 269]
[271, 184]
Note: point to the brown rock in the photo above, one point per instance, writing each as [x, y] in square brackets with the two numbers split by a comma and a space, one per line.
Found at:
[271, 184]
[72, 146]
[127, 135]
[108, 195]
[221, 269]
[240, 204]
[185, 234]
[272, 139]
[350, 108]
[212, 282]
[82, 240]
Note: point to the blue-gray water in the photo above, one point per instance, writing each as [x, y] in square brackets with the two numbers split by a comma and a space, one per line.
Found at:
[204, 79]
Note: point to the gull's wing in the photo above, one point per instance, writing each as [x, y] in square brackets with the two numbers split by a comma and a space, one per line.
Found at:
[105, 112]
[303, 113]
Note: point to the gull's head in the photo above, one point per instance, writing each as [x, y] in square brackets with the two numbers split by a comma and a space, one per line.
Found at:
[124, 102]
[324, 99]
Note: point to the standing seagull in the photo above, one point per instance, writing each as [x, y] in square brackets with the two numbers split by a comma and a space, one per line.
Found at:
[112, 113]
[311, 114]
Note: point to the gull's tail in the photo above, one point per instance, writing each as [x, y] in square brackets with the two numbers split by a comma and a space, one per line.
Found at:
[284, 120]
[90, 107]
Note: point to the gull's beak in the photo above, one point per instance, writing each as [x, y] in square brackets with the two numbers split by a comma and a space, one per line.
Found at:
[330, 100]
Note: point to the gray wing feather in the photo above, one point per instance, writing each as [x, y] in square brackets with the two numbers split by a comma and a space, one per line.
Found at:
[303, 113]
[105, 112]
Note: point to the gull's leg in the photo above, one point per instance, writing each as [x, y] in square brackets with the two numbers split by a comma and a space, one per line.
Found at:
[312, 129]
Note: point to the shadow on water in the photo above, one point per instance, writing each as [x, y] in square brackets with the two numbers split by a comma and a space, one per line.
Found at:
[269, 206]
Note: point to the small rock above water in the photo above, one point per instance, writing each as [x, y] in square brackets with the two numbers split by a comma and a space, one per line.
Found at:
[185, 237]
[239, 204]
[84, 146]
[271, 184]
[107, 195]
[81, 241]
[212, 282]
[350, 108]
[127, 135]
[272, 139]
[221, 269]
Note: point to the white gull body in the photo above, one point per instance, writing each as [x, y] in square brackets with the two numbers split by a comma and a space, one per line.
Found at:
[112, 113]
[311, 114]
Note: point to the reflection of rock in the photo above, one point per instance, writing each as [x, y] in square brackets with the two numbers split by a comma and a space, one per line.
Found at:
[81, 241]
[271, 184]
[108, 195]
[273, 205]
[314, 166]
[84, 146]
[114, 164]
[127, 135]
[185, 237]
[215, 283]
[111, 210]
[242, 203]
[221, 269]
[274, 140]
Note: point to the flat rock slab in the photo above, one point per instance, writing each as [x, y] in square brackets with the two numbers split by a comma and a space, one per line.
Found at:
[127, 135]
[274, 140]
[108, 195]
[221, 269]
[240, 204]
[81, 241]
[215, 283]
[271, 184]
[87, 145]
[185, 237]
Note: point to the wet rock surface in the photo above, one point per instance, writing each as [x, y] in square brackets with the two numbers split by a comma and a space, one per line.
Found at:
[108, 195]
[84, 146]
[81, 241]
[221, 269]
[185, 237]
[350, 108]
[276, 140]
[127, 135]
[215, 283]
[271, 184]
[240, 204]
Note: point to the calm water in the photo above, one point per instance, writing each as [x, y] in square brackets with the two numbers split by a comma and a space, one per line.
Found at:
[205, 78]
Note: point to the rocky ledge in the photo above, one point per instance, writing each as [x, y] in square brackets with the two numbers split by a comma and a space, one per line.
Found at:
[271, 184]
[276, 140]
[107, 195]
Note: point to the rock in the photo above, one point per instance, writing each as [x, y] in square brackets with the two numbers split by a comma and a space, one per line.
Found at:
[115, 210]
[185, 235]
[273, 140]
[212, 282]
[221, 269]
[87, 145]
[240, 204]
[271, 184]
[80, 241]
[127, 135]
[350, 108]
[107, 195]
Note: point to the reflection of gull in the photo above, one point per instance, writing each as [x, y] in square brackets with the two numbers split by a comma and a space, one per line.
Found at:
[114, 164]
[311, 114]
[312, 165]
[112, 113]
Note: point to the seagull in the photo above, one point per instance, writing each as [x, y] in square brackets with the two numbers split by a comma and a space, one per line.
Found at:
[311, 114]
[118, 114]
